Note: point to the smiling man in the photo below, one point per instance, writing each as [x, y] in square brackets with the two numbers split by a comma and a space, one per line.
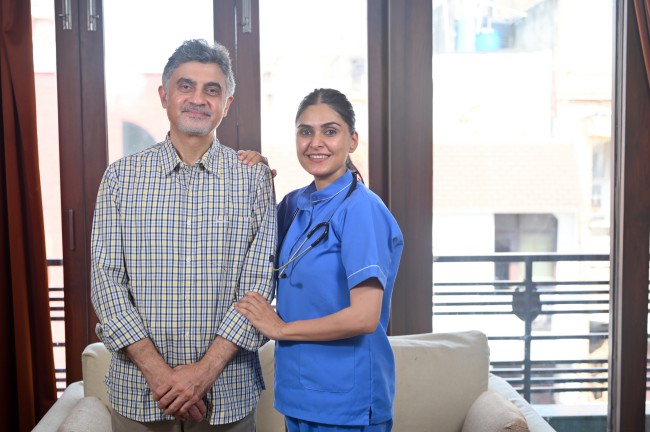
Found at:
[181, 230]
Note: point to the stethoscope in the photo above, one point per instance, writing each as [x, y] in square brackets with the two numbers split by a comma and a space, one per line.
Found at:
[324, 226]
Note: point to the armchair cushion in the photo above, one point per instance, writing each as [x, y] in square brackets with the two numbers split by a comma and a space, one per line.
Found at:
[89, 414]
[493, 412]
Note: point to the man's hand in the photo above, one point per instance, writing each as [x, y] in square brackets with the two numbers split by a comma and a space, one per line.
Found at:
[159, 376]
[251, 157]
[182, 394]
[188, 384]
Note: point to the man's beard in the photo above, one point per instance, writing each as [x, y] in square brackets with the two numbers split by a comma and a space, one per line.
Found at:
[195, 129]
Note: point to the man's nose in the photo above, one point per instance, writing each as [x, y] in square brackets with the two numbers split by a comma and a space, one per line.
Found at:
[197, 97]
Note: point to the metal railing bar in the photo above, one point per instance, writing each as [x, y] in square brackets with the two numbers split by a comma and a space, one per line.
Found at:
[543, 363]
[568, 389]
[500, 303]
[535, 381]
[574, 311]
[577, 283]
[552, 337]
[559, 371]
[540, 284]
[542, 291]
[490, 303]
[543, 312]
[488, 284]
[520, 257]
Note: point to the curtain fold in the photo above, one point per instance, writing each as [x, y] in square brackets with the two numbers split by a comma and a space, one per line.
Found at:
[27, 376]
[642, 8]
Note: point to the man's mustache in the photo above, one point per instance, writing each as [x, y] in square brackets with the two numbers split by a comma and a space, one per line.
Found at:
[198, 108]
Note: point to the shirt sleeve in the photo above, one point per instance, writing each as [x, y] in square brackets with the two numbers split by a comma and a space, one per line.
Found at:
[369, 236]
[120, 323]
[257, 268]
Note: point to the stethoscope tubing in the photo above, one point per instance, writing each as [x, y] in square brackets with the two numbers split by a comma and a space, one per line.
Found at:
[299, 253]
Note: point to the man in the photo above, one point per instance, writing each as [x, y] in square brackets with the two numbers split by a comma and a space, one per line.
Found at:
[181, 231]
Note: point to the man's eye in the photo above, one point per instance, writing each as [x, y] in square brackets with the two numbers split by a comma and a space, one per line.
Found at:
[213, 91]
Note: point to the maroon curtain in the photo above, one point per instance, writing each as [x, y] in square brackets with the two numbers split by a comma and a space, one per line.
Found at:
[27, 380]
[642, 8]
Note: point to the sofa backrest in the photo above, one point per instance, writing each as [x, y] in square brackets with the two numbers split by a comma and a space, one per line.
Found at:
[438, 377]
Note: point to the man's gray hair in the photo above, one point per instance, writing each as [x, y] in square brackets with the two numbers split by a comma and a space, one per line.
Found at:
[199, 50]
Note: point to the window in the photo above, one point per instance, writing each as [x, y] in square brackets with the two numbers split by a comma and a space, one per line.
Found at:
[48, 153]
[522, 106]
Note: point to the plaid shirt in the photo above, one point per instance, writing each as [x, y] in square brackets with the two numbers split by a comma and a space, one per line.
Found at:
[173, 248]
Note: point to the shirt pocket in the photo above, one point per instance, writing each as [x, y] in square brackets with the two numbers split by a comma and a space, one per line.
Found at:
[327, 366]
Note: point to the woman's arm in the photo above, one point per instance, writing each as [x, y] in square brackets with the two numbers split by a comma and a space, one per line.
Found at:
[361, 317]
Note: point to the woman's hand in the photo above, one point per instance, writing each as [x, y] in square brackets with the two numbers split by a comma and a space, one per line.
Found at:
[251, 157]
[260, 313]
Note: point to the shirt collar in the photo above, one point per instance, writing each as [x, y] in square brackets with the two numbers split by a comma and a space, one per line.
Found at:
[311, 196]
[169, 159]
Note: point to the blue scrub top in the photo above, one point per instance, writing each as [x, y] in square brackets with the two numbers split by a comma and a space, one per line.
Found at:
[349, 381]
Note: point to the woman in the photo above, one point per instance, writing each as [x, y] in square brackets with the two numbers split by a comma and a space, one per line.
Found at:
[339, 250]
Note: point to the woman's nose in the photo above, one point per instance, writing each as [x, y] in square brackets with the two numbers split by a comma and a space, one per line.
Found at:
[316, 140]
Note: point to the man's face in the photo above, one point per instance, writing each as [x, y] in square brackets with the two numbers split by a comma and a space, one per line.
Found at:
[196, 99]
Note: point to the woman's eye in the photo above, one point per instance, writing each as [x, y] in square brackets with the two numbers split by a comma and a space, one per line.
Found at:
[330, 132]
[304, 132]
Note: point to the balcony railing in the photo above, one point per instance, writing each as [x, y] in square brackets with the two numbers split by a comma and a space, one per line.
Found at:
[583, 294]
[57, 316]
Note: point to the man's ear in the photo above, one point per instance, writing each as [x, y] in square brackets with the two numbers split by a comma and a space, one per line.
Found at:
[163, 96]
[228, 102]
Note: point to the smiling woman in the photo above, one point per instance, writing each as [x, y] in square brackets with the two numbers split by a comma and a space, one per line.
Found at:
[334, 365]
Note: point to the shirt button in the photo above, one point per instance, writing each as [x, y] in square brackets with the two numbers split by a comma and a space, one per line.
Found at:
[189, 221]
[188, 260]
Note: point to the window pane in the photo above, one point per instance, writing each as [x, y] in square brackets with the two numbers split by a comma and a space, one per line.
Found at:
[138, 40]
[324, 45]
[521, 117]
[43, 37]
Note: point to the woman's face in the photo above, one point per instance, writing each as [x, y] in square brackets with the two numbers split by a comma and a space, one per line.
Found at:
[323, 142]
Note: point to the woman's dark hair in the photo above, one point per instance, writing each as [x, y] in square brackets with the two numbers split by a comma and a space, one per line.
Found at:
[339, 103]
